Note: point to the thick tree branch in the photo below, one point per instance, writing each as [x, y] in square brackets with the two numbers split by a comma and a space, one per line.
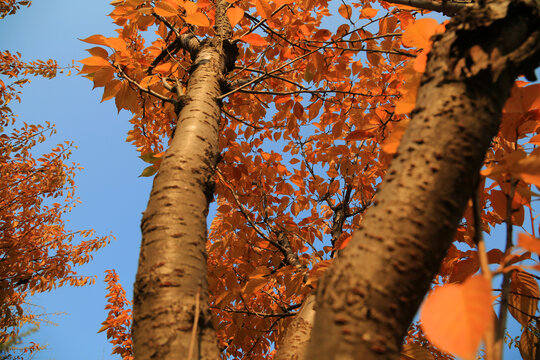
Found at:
[448, 8]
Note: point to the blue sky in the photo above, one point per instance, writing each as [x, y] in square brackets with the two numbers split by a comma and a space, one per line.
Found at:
[113, 196]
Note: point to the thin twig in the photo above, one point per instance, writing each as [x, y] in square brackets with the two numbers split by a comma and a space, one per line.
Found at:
[251, 223]
[503, 308]
[489, 336]
[240, 120]
[479, 236]
[261, 22]
[143, 89]
[255, 313]
[313, 92]
[271, 72]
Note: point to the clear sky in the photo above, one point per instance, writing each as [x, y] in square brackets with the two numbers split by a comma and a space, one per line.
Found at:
[113, 196]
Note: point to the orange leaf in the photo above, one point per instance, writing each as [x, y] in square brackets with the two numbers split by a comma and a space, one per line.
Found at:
[149, 81]
[360, 134]
[518, 163]
[463, 269]
[343, 241]
[191, 7]
[95, 61]
[103, 76]
[297, 180]
[529, 243]
[255, 284]
[164, 9]
[259, 272]
[298, 110]
[523, 99]
[104, 327]
[197, 19]
[116, 43]
[535, 140]
[111, 89]
[368, 13]
[164, 68]
[96, 39]
[455, 317]
[235, 14]
[263, 9]
[494, 256]
[295, 208]
[527, 344]
[345, 11]
[254, 39]
[498, 203]
[283, 2]
[98, 51]
[418, 34]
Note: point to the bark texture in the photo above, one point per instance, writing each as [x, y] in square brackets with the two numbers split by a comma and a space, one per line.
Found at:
[448, 8]
[294, 343]
[369, 296]
[171, 283]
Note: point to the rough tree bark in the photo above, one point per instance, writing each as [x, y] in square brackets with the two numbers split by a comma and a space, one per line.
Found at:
[296, 338]
[171, 290]
[448, 8]
[369, 296]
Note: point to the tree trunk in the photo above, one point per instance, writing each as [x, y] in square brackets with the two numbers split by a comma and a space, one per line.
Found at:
[171, 313]
[369, 296]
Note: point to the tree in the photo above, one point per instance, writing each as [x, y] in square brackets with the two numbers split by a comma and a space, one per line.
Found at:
[225, 100]
[37, 251]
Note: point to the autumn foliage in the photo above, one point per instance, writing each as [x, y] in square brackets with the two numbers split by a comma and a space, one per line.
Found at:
[37, 251]
[118, 322]
[312, 113]
[10, 7]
